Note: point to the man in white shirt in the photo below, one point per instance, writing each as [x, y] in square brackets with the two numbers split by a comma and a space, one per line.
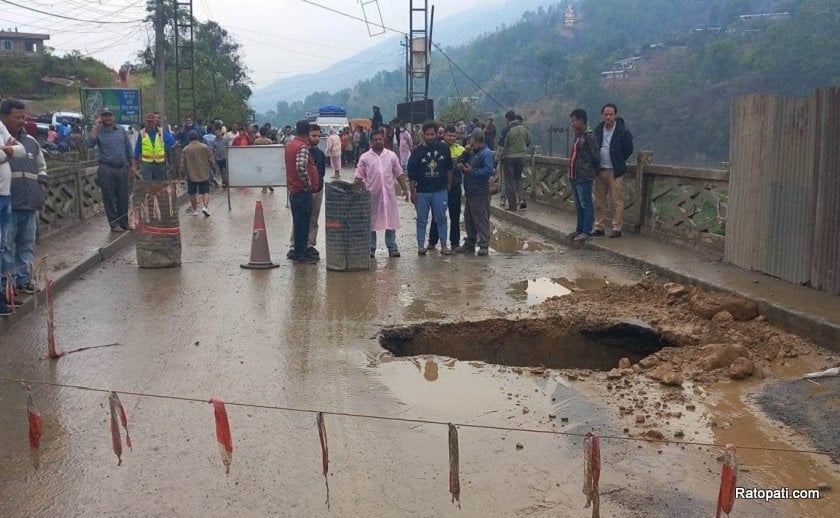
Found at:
[9, 147]
[616, 145]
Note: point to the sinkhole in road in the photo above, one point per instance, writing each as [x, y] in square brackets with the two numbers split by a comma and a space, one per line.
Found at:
[540, 342]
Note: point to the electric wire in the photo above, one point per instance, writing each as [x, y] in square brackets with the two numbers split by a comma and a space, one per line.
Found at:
[55, 15]
[411, 420]
[353, 17]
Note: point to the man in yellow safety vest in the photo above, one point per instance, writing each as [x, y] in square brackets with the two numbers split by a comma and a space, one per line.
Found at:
[151, 150]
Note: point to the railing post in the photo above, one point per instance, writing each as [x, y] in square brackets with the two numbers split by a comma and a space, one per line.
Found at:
[535, 150]
[643, 159]
[79, 195]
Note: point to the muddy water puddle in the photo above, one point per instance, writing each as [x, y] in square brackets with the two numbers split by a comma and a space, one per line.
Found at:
[507, 242]
[738, 421]
[536, 291]
[438, 388]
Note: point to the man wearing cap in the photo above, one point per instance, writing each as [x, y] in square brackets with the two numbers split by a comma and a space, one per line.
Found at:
[115, 164]
[151, 150]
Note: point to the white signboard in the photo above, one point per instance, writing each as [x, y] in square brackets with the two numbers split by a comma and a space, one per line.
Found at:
[256, 166]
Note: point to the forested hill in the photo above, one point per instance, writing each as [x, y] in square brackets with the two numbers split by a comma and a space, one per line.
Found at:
[692, 58]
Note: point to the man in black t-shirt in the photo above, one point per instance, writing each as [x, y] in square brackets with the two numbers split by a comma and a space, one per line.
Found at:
[430, 176]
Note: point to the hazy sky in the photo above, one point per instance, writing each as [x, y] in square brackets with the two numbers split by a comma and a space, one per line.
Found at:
[279, 37]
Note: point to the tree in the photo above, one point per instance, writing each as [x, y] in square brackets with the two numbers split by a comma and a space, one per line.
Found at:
[222, 84]
[460, 108]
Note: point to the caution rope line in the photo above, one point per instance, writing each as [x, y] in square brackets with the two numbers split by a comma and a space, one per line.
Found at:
[412, 420]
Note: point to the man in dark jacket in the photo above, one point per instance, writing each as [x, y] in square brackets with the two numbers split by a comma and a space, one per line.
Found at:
[616, 144]
[28, 191]
[376, 120]
[477, 169]
[583, 167]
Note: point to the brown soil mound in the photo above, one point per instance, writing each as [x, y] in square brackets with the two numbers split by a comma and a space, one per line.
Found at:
[716, 336]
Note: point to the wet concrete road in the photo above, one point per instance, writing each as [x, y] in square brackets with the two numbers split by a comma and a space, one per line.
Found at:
[304, 337]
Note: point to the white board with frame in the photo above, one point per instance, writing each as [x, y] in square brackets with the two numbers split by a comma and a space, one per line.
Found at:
[256, 166]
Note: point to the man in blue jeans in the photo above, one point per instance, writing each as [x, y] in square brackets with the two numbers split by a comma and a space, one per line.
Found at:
[430, 178]
[583, 167]
[9, 148]
[28, 190]
[302, 181]
[5, 216]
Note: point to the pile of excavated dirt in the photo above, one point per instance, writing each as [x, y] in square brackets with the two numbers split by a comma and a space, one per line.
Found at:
[713, 336]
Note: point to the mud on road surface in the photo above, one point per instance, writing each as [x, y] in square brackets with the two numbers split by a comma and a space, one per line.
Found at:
[303, 337]
[677, 364]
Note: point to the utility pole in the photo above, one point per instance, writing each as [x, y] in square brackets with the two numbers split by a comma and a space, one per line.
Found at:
[160, 90]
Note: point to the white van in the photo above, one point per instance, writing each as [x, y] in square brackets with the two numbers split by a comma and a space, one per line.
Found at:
[336, 123]
[54, 119]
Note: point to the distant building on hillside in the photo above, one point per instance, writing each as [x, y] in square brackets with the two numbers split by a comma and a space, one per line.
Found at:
[570, 18]
[762, 17]
[22, 42]
[754, 24]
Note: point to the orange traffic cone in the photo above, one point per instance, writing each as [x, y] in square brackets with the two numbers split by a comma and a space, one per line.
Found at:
[260, 257]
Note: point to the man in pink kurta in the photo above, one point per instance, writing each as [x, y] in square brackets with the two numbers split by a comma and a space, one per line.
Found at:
[377, 170]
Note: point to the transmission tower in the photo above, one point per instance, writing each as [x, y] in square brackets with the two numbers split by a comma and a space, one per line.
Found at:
[184, 60]
[419, 58]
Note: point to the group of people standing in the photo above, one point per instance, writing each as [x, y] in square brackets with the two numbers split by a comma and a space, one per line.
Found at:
[437, 170]
[598, 162]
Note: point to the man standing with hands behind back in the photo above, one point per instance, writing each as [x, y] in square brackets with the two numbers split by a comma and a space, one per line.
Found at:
[153, 144]
[616, 144]
[115, 164]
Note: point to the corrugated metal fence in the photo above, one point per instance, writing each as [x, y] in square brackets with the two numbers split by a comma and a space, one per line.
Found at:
[784, 188]
[825, 257]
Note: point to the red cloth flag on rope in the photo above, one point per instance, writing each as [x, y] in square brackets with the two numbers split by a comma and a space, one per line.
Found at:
[325, 452]
[34, 419]
[10, 291]
[223, 433]
[118, 417]
[116, 438]
[52, 353]
[123, 420]
[728, 480]
[592, 472]
[454, 461]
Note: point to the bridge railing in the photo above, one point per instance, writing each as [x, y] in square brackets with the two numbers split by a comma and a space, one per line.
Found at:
[72, 196]
[677, 204]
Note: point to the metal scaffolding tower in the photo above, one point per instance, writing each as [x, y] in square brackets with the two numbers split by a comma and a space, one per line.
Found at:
[419, 54]
[184, 60]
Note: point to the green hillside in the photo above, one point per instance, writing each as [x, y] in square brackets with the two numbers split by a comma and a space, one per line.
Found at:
[22, 75]
[695, 57]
